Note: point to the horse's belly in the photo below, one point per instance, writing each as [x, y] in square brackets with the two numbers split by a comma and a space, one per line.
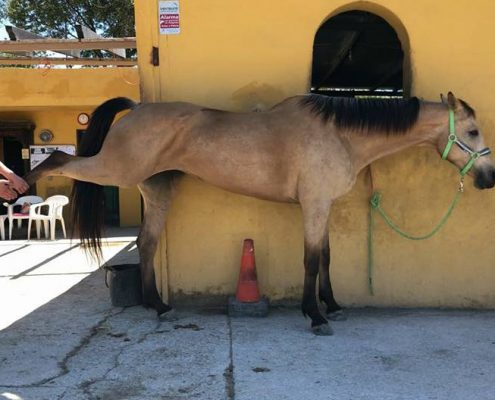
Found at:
[250, 182]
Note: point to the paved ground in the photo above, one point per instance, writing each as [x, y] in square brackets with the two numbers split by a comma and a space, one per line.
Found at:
[61, 339]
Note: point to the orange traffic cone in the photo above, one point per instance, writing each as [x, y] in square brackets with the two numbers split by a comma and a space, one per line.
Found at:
[247, 287]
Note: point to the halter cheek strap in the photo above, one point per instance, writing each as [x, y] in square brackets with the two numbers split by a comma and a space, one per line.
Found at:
[473, 155]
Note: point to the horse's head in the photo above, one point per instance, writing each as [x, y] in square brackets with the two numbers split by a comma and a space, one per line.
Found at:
[464, 146]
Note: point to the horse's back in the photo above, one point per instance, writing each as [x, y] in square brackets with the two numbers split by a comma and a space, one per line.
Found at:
[261, 154]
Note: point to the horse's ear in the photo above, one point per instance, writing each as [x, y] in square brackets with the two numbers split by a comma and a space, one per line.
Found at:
[443, 99]
[453, 102]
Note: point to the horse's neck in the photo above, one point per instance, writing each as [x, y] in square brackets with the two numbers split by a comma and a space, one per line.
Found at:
[431, 123]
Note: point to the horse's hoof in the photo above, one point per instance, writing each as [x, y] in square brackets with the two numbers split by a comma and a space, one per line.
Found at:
[322, 330]
[338, 315]
[169, 316]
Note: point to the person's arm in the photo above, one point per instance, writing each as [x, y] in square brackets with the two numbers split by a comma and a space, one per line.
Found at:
[14, 181]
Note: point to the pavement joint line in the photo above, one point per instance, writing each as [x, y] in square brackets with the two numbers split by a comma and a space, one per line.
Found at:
[45, 261]
[229, 370]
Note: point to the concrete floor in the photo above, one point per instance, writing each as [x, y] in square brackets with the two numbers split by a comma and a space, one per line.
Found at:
[60, 338]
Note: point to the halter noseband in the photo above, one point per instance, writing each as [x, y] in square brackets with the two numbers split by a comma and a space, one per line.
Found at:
[473, 155]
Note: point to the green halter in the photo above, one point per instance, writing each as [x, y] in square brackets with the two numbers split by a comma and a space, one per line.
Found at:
[473, 155]
[376, 197]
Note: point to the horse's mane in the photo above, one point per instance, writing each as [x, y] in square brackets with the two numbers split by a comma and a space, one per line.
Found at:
[393, 116]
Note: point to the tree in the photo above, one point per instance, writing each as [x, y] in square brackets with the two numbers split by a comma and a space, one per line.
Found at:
[57, 19]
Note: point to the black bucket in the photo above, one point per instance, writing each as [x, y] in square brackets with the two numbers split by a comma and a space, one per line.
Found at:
[124, 282]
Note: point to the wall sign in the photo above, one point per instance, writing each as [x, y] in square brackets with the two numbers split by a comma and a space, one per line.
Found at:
[168, 17]
[40, 153]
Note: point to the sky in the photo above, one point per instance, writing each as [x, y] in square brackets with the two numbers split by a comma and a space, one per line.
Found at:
[3, 32]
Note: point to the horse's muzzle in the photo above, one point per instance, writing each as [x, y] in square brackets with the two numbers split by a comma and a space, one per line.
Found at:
[484, 178]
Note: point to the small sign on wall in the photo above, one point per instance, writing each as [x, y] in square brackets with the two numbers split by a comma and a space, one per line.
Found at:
[168, 17]
[39, 154]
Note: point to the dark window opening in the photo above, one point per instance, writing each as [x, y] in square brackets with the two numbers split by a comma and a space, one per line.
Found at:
[357, 54]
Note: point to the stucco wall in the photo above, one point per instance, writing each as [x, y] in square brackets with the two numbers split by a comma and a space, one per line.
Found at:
[238, 55]
[49, 87]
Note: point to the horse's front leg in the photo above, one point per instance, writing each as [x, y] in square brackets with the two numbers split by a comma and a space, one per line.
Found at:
[157, 193]
[315, 235]
[334, 311]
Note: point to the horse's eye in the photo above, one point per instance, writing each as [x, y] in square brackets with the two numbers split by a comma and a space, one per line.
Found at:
[474, 133]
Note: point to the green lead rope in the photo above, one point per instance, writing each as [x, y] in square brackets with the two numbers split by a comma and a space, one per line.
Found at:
[375, 205]
[376, 197]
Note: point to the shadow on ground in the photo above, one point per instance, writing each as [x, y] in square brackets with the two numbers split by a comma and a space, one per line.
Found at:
[77, 346]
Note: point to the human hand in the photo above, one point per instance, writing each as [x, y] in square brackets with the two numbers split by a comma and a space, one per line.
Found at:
[6, 191]
[19, 184]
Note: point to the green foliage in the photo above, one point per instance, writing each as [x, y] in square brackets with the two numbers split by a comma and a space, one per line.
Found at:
[2, 10]
[57, 19]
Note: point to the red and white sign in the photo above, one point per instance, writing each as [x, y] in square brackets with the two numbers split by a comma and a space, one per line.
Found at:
[168, 12]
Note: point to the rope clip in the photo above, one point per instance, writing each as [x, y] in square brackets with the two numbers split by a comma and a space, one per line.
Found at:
[461, 185]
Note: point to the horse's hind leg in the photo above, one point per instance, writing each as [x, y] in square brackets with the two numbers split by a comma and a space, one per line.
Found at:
[157, 192]
[315, 236]
[334, 311]
[89, 169]
[52, 165]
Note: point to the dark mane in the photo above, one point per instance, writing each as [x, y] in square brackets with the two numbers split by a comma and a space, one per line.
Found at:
[394, 116]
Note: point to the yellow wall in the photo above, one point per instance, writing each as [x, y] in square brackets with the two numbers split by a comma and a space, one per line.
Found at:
[53, 98]
[238, 55]
[80, 88]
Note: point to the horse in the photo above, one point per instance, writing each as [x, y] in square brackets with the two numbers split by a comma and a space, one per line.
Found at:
[307, 149]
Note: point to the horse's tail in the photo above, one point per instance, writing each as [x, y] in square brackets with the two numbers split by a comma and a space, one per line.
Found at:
[88, 198]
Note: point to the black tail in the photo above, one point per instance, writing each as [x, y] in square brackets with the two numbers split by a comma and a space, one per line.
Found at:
[88, 202]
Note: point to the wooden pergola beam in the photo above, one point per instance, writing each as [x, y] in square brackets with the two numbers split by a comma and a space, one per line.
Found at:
[67, 44]
[66, 61]
[16, 34]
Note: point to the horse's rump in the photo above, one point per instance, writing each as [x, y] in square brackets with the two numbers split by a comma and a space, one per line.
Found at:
[87, 197]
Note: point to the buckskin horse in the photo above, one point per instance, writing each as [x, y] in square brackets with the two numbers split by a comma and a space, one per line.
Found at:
[307, 149]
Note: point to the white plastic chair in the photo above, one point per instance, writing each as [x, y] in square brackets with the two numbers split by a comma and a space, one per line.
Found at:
[11, 215]
[55, 205]
[2, 226]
